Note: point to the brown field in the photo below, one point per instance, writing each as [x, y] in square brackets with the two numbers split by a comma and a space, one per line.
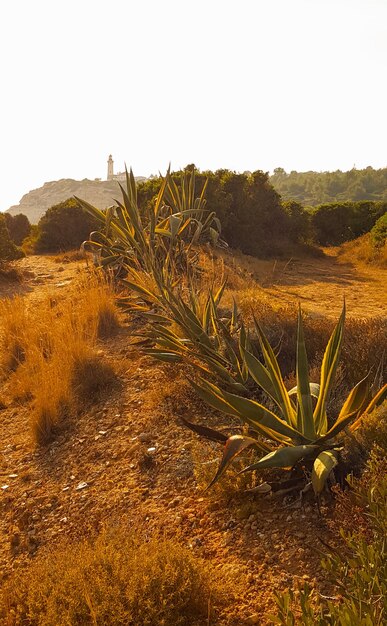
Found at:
[125, 460]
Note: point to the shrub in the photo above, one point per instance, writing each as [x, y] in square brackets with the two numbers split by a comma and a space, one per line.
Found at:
[18, 226]
[249, 209]
[8, 250]
[359, 569]
[63, 227]
[116, 580]
[336, 223]
[379, 232]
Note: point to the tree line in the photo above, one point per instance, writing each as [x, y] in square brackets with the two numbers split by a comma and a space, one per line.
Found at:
[315, 188]
[254, 217]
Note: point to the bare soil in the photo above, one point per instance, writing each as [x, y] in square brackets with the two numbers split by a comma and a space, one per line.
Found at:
[320, 283]
[128, 460]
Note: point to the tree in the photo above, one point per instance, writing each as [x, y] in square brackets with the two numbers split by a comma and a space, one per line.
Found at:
[18, 226]
[8, 250]
[64, 227]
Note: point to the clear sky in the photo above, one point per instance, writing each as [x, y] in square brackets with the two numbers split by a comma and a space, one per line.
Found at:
[243, 84]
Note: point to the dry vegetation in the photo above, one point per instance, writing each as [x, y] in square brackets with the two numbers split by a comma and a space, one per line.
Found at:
[142, 548]
[363, 250]
[118, 579]
[48, 352]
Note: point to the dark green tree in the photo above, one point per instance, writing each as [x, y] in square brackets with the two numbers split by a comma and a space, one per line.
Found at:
[335, 223]
[8, 250]
[64, 227]
[18, 226]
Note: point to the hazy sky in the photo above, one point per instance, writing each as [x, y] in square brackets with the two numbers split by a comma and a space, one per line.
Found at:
[244, 85]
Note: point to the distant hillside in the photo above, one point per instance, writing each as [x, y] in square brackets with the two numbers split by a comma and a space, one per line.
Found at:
[313, 188]
[100, 193]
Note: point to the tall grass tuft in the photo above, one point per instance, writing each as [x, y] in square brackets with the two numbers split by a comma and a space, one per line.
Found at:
[47, 352]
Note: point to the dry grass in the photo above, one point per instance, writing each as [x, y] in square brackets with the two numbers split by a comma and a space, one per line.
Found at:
[70, 257]
[47, 352]
[361, 249]
[117, 580]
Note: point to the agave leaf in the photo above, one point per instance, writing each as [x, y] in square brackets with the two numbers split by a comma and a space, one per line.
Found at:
[205, 431]
[138, 288]
[328, 371]
[285, 457]
[314, 390]
[357, 399]
[169, 357]
[174, 224]
[306, 425]
[323, 465]
[100, 215]
[252, 412]
[353, 405]
[375, 402]
[210, 396]
[218, 296]
[233, 447]
[260, 374]
[273, 368]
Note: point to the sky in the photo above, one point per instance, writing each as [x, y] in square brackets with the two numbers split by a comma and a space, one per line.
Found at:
[243, 85]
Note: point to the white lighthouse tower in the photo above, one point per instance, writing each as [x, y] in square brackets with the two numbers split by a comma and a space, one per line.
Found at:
[110, 170]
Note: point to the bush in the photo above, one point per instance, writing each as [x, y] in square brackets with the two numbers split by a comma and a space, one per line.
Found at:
[338, 222]
[379, 232]
[64, 227]
[359, 569]
[115, 580]
[249, 209]
[18, 226]
[8, 250]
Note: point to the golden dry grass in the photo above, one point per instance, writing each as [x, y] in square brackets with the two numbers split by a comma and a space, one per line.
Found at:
[117, 580]
[361, 249]
[47, 351]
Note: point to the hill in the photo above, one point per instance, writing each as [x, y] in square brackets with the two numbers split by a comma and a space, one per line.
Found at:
[34, 204]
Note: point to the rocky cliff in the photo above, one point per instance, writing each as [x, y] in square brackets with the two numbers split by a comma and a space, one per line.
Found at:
[100, 193]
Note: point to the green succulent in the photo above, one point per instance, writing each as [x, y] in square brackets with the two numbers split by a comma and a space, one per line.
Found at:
[298, 426]
[158, 236]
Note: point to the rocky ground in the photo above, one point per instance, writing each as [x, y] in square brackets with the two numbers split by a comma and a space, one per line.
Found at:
[128, 460]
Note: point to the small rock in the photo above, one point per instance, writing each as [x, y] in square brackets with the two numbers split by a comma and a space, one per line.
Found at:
[145, 437]
[81, 485]
[253, 619]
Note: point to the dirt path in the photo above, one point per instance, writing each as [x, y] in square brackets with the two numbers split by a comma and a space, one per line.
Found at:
[320, 284]
[129, 460]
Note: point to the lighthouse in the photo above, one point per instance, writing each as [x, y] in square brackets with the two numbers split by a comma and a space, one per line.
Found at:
[110, 170]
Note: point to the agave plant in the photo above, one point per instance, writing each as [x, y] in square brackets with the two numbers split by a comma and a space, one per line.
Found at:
[156, 236]
[297, 429]
[185, 327]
